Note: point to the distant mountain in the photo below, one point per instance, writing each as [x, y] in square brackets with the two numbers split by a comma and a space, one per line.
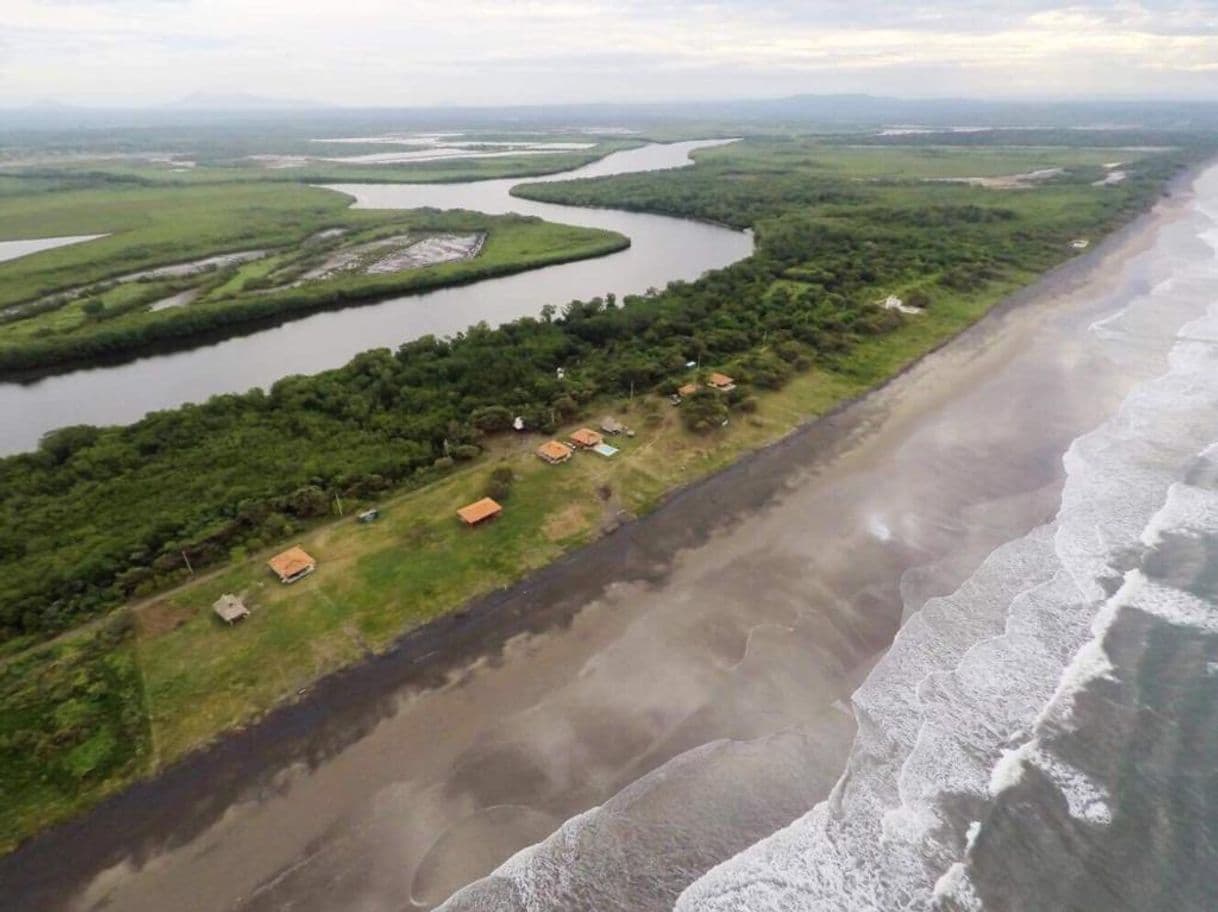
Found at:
[829, 112]
[241, 101]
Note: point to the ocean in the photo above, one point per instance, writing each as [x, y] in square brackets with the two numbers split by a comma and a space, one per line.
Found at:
[1045, 737]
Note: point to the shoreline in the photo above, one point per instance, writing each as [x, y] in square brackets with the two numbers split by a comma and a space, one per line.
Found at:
[185, 798]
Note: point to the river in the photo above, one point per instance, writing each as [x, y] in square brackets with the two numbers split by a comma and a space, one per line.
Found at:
[664, 715]
[662, 249]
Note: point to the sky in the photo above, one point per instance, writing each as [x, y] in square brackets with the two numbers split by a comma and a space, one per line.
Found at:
[493, 52]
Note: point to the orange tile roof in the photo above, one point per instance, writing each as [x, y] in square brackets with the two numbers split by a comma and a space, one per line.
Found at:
[587, 437]
[688, 389]
[717, 379]
[291, 562]
[479, 510]
[553, 450]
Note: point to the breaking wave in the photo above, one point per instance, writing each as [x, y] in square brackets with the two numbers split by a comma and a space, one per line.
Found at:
[984, 759]
[1025, 737]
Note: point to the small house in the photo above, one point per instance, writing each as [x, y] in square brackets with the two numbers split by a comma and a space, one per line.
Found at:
[586, 437]
[292, 564]
[372, 514]
[611, 425]
[554, 452]
[230, 608]
[722, 382]
[479, 511]
[687, 390]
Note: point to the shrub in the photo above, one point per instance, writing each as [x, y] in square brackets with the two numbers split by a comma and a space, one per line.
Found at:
[307, 502]
[499, 485]
[491, 418]
[703, 411]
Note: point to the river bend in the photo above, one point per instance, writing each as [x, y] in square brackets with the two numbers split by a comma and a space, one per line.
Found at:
[663, 249]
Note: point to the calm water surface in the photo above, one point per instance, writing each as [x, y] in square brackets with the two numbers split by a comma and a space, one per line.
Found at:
[11, 250]
[662, 249]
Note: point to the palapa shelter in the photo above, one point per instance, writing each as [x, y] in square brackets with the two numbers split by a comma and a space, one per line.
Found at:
[722, 382]
[554, 452]
[479, 511]
[230, 608]
[292, 564]
[687, 390]
[586, 437]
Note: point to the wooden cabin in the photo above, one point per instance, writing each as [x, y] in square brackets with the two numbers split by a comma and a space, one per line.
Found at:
[292, 565]
[554, 452]
[230, 608]
[479, 511]
[586, 437]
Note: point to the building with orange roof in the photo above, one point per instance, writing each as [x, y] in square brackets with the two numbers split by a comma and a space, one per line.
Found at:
[687, 390]
[722, 382]
[479, 511]
[554, 452]
[292, 564]
[586, 437]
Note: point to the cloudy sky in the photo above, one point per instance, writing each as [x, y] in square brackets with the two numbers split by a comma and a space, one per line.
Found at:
[408, 52]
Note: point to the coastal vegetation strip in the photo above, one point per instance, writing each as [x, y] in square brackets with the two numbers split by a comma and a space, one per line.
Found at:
[104, 297]
[99, 516]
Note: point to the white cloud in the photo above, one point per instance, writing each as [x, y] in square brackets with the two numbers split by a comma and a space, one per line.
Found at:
[477, 51]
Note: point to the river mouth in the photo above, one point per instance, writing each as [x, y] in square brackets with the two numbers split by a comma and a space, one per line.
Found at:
[662, 249]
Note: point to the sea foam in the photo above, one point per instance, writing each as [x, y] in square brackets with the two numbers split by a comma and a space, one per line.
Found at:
[977, 687]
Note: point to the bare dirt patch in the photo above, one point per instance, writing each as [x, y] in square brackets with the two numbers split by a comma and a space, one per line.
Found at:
[1005, 182]
[398, 254]
[565, 523]
[160, 617]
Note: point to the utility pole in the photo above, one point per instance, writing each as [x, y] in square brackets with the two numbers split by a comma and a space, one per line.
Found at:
[338, 503]
[187, 559]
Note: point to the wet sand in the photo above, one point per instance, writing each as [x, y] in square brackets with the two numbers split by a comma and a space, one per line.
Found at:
[744, 608]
